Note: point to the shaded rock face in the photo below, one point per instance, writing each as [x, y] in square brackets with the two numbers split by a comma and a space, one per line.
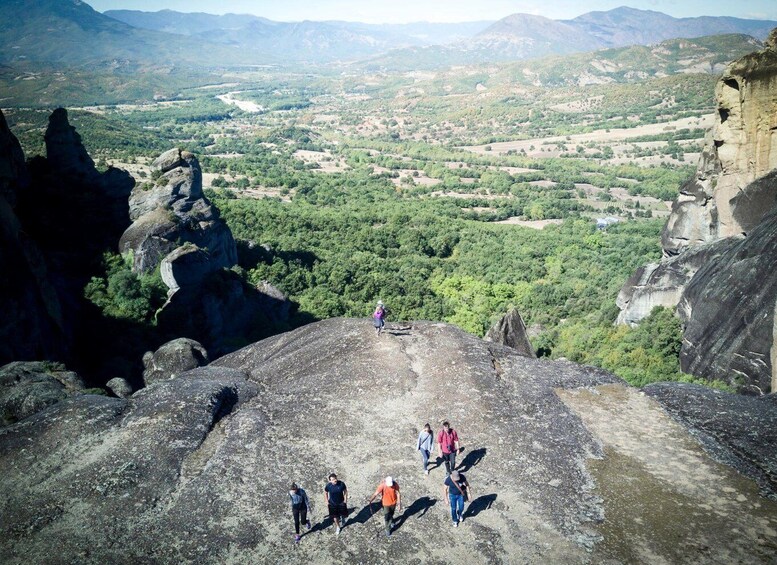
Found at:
[175, 210]
[172, 359]
[28, 387]
[741, 149]
[223, 312]
[662, 284]
[31, 325]
[728, 313]
[196, 469]
[511, 331]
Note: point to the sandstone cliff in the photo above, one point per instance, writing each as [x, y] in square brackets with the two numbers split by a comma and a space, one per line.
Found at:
[568, 464]
[742, 147]
[730, 197]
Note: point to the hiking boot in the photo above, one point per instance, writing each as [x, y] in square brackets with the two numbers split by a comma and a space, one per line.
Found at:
[455, 524]
[297, 537]
[426, 471]
[388, 533]
[337, 531]
[461, 518]
[308, 525]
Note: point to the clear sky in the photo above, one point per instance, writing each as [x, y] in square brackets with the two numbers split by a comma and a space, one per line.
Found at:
[404, 11]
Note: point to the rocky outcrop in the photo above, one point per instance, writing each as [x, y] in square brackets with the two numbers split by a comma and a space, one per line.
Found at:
[223, 312]
[728, 312]
[196, 469]
[120, 387]
[174, 211]
[31, 325]
[742, 148]
[728, 304]
[511, 331]
[28, 387]
[738, 430]
[172, 359]
[662, 284]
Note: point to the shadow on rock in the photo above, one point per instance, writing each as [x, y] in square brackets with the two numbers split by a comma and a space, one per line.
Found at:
[366, 513]
[473, 458]
[419, 506]
[479, 505]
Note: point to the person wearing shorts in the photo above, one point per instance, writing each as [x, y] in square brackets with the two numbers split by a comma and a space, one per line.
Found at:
[336, 494]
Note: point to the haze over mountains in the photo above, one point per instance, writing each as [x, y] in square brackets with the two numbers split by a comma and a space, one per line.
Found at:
[70, 31]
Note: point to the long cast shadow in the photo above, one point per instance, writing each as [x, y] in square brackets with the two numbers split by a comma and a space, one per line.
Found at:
[365, 513]
[479, 505]
[473, 458]
[419, 505]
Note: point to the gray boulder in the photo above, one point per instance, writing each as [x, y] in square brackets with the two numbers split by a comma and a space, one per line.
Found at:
[172, 359]
[728, 311]
[172, 211]
[120, 387]
[187, 266]
[511, 331]
[28, 387]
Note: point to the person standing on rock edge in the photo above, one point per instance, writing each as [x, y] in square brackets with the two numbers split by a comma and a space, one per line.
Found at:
[391, 500]
[300, 507]
[456, 490]
[336, 494]
[379, 317]
[426, 445]
[448, 444]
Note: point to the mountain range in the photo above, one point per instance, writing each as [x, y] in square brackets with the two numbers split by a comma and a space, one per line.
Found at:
[71, 32]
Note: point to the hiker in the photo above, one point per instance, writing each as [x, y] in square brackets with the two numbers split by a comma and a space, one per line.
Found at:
[300, 506]
[457, 490]
[391, 500]
[379, 317]
[448, 444]
[336, 494]
[426, 445]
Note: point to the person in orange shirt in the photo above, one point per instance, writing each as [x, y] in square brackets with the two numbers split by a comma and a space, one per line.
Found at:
[391, 499]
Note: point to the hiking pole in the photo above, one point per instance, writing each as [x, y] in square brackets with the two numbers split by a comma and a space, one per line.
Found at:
[377, 532]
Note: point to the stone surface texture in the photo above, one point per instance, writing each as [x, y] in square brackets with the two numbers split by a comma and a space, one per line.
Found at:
[29, 387]
[511, 331]
[728, 313]
[172, 359]
[172, 211]
[567, 463]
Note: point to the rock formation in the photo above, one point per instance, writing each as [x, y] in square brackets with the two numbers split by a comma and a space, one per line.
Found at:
[728, 312]
[742, 148]
[172, 359]
[568, 464]
[731, 196]
[511, 331]
[662, 284]
[28, 387]
[31, 325]
[174, 211]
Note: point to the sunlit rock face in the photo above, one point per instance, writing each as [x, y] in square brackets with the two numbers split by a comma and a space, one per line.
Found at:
[568, 464]
[742, 147]
[174, 211]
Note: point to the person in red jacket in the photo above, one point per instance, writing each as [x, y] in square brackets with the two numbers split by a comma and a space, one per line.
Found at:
[448, 445]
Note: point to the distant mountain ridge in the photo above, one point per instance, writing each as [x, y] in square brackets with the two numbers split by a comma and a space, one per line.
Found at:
[71, 32]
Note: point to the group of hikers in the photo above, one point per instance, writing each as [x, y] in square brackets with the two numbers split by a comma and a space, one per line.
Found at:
[456, 488]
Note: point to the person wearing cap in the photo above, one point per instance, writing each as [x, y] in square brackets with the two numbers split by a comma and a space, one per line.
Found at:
[455, 489]
[391, 500]
[379, 317]
[300, 506]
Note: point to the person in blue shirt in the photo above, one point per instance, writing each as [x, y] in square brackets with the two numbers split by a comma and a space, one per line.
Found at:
[336, 494]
